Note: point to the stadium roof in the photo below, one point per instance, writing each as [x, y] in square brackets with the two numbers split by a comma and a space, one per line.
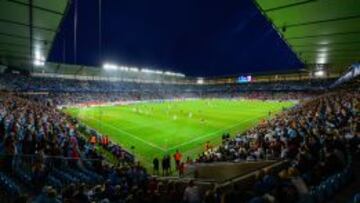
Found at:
[17, 28]
[197, 38]
[320, 32]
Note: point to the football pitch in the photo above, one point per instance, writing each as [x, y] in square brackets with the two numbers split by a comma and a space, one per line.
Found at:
[154, 129]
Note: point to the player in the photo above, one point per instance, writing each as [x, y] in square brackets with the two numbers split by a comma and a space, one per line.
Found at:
[156, 166]
[177, 157]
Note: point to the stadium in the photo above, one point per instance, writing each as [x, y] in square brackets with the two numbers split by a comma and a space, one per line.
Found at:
[105, 101]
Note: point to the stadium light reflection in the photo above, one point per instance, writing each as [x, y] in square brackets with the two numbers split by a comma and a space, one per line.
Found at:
[321, 58]
[39, 58]
[320, 70]
[319, 73]
[39, 62]
[323, 49]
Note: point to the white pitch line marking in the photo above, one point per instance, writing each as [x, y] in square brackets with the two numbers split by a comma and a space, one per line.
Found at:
[129, 134]
[211, 133]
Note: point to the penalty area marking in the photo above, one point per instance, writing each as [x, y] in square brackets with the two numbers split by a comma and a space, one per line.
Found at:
[212, 133]
[129, 134]
[176, 146]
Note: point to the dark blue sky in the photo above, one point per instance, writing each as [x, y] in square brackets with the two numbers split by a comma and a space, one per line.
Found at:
[195, 37]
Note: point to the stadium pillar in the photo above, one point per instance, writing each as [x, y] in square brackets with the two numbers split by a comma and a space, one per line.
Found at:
[100, 34]
[31, 35]
[75, 29]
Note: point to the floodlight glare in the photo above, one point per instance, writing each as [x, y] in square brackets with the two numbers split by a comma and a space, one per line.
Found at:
[134, 69]
[158, 72]
[319, 73]
[39, 58]
[200, 81]
[144, 70]
[321, 58]
[38, 62]
[109, 66]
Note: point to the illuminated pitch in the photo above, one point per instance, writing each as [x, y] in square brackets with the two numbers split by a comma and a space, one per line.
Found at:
[158, 128]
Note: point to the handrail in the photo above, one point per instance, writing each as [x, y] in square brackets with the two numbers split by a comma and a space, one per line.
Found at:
[353, 71]
[229, 182]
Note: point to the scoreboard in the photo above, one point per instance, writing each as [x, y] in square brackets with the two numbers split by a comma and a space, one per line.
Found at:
[244, 79]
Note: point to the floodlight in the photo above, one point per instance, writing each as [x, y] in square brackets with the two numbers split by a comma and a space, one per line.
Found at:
[133, 69]
[110, 66]
[144, 70]
[200, 81]
[38, 62]
[319, 73]
[39, 58]
[321, 58]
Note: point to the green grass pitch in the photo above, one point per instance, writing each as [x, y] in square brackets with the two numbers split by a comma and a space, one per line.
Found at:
[155, 128]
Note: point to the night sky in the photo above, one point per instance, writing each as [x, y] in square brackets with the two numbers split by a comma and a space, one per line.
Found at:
[195, 37]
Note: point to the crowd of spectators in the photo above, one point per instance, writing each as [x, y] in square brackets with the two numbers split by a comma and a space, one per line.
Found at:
[41, 147]
[86, 99]
[48, 157]
[335, 115]
[20, 82]
[60, 91]
[312, 136]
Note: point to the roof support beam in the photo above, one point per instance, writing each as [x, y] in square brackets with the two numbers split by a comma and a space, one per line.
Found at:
[323, 21]
[327, 44]
[24, 37]
[331, 51]
[21, 45]
[31, 31]
[323, 35]
[289, 5]
[26, 25]
[18, 56]
[37, 7]
[15, 51]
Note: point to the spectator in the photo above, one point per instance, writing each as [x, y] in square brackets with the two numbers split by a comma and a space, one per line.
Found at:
[191, 193]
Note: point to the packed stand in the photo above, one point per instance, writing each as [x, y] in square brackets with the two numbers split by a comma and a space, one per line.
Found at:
[42, 152]
[280, 137]
[314, 137]
[23, 83]
[49, 157]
